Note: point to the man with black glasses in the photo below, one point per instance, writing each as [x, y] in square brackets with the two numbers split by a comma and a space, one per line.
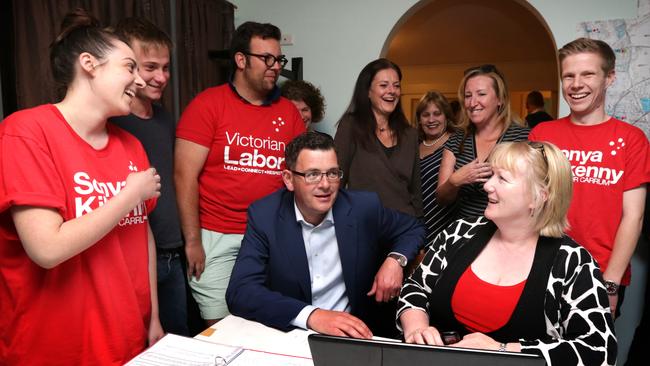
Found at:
[229, 152]
[318, 257]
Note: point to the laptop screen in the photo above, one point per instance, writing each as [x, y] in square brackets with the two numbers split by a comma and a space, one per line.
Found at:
[338, 351]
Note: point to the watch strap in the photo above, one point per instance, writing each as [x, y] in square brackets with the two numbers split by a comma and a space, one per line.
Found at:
[611, 287]
[400, 258]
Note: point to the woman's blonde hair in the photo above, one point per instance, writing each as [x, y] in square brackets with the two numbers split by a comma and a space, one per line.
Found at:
[504, 113]
[548, 173]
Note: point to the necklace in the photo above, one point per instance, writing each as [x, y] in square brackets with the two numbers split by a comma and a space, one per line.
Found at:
[424, 142]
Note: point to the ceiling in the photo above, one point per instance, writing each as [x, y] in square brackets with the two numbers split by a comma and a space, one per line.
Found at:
[470, 31]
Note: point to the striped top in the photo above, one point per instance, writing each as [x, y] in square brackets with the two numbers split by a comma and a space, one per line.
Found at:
[472, 199]
[436, 217]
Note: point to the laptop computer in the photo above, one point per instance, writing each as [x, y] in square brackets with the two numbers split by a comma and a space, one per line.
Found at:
[339, 351]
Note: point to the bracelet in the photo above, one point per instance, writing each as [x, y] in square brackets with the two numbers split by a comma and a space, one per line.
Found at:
[611, 287]
[502, 347]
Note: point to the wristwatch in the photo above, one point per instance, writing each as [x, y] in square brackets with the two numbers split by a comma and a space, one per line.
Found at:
[401, 259]
[611, 287]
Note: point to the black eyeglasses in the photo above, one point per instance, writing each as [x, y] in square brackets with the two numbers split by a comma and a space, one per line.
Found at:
[269, 60]
[539, 147]
[315, 176]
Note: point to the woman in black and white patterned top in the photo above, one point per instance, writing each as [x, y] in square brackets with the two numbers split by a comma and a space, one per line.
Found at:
[485, 120]
[435, 121]
[512, 281]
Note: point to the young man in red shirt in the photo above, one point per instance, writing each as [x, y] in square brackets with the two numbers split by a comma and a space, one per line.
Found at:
[229, 152]
[609, 162]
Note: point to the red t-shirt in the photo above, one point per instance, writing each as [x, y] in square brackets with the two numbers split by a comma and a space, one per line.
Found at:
[94, 308]
[606, 160]
[246, 155]
[481, 306]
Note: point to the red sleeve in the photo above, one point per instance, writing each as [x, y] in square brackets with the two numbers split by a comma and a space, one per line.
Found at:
[28, 175]
[198, 122]
[637, 164]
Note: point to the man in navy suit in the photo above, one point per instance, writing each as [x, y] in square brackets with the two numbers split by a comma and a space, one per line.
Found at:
[315, 256]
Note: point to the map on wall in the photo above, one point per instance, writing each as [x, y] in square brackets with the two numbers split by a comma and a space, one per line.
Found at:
[628, 99]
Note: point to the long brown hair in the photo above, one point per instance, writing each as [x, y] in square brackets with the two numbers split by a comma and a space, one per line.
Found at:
[360, 108]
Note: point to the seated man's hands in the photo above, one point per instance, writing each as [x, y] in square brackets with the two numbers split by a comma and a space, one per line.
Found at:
[388, 281]
[338, 323]
[425, 335]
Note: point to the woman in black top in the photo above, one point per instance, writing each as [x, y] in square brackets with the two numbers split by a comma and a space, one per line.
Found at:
[377, 148]
[435, 124]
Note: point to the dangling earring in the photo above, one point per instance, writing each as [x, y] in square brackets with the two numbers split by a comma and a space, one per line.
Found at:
[532, 212]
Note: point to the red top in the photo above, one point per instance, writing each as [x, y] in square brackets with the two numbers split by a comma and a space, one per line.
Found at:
[606, 159]
[94, 308]
[481, 306]
[246, 155]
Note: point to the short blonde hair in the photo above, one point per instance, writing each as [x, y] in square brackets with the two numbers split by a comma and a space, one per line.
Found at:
[548, 171]
[586, 45]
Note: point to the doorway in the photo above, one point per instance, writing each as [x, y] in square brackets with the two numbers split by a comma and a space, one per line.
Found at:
[436, 40]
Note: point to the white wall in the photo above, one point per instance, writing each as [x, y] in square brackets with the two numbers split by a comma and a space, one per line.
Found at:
[336, 38]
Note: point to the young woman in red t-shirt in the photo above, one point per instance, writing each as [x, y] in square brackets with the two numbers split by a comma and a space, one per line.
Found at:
[77, 261]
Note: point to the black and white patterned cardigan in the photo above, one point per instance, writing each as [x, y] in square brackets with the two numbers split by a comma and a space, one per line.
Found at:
[579, 327]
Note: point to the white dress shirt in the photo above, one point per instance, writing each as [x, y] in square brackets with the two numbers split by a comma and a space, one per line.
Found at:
[325, 270]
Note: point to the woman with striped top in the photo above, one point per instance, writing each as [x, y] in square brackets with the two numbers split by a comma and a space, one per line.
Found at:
[435, 124]
[485, 121]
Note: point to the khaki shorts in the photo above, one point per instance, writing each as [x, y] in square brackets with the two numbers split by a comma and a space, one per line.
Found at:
[210, 291]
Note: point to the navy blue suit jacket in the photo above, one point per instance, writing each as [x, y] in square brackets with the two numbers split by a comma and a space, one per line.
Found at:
[270, 282]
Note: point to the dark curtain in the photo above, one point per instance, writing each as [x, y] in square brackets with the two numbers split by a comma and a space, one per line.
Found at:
[203, 25]
[200, 25]
[7, 66]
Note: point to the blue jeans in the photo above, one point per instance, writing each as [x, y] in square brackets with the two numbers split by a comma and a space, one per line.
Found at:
[172, 295]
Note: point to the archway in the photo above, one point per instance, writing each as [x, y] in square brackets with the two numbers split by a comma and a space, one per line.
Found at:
[436, 40]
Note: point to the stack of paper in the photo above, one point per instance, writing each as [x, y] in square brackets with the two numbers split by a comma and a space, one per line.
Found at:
[255, 336]
[174, 350]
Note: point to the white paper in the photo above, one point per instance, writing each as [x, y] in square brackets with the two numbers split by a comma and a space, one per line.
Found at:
[174, 350]
[255, 336]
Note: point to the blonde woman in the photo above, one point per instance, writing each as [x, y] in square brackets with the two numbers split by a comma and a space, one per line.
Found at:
[511, 280]
[485, 121]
